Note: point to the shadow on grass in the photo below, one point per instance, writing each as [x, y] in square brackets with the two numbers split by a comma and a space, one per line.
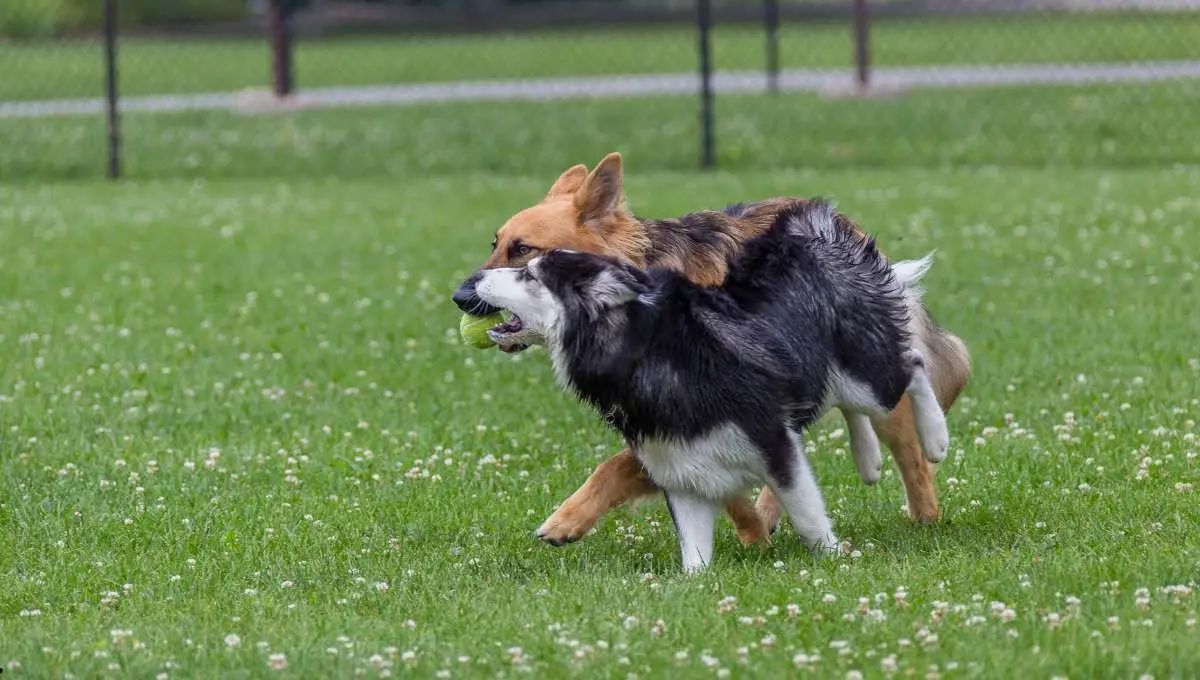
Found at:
[606, 552]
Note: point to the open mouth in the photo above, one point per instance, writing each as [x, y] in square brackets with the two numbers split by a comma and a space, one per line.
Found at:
[506, 335]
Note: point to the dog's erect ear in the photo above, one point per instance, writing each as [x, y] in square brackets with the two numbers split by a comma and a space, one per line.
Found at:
[618, 285]
[600, 194]
[637, 278]
[568, 182]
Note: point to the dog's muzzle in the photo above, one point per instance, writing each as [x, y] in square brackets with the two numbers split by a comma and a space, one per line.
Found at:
[467, 300]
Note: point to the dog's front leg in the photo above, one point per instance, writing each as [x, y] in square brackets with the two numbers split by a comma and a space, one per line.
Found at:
[694, 519]
[751, 529]
[616, 481]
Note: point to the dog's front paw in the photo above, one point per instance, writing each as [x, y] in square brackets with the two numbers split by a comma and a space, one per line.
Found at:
[565, 526]
[769, 510]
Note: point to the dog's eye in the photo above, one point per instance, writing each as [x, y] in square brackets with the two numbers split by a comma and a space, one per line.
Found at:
[525, 275]
[495, 242]
[518, 250]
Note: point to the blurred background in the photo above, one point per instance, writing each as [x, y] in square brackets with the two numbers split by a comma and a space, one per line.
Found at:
[403, 87]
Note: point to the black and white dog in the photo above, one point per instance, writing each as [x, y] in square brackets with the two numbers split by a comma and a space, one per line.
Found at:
[711, 387]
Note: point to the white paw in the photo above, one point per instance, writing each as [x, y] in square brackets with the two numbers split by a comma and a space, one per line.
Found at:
[870, 472]
[827, 545]
[938, 445]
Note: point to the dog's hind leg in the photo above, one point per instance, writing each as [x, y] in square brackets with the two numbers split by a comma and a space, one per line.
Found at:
[695, 519]
[864, 446]
[948, 363]
[801, 498]
[868, 458]
[928, 416]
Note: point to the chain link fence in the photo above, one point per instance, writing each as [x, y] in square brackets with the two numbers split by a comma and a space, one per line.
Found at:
[402, 87]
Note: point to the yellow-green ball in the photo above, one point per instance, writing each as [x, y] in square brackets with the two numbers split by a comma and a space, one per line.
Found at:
[473, 329]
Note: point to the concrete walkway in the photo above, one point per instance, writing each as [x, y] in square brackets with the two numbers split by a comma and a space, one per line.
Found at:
[621, 86]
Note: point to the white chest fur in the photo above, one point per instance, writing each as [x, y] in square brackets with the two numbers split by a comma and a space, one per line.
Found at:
[715, 466]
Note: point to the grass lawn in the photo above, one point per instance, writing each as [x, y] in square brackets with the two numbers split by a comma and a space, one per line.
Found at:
[54, 70]
[1113, 126]
[239, 431]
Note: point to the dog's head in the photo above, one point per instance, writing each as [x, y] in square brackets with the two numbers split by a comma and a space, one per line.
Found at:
[582, 211]
[560, 286]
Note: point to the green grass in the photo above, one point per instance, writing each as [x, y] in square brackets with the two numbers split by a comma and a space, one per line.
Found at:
[1134, 125]
[64, 69]
[302, 330]
[276, 290]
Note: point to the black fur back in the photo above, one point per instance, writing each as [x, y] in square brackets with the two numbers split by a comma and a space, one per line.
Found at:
[802, 300]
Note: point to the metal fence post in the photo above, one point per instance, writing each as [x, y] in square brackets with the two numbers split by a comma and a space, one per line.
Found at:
[110, 74]
[771, 19]
[862, 45]
[704, 24]
[281, 48]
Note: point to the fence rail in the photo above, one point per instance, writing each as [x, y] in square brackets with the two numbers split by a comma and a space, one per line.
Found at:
[622, 66]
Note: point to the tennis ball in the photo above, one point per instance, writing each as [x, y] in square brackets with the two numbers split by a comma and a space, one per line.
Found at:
[473, 329]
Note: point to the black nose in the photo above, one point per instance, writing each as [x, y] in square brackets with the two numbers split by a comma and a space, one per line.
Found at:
[468, 301]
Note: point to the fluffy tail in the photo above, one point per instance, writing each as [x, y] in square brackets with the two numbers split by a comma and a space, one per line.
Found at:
[909, 273]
